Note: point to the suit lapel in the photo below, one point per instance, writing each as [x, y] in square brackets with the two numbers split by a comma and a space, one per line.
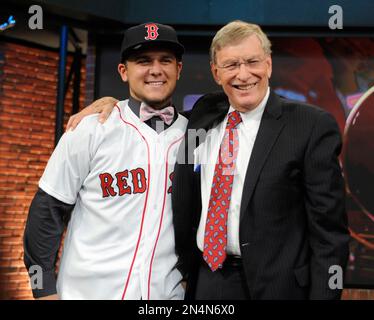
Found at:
[209, 110]
[270, 128]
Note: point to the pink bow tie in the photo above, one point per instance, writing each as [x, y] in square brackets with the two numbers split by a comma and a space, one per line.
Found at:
[166, 114]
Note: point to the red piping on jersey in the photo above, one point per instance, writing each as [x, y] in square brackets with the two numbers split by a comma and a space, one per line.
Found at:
[145, 204]
[162, 216]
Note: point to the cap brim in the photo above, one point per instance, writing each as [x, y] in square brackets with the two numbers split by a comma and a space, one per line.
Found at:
[177, 48]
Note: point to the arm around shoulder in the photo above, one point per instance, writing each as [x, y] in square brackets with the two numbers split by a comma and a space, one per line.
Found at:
[103, 106]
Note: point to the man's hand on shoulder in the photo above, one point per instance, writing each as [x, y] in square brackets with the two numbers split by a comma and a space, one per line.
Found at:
[104, 106]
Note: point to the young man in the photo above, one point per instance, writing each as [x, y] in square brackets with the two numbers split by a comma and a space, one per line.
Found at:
[116, 179]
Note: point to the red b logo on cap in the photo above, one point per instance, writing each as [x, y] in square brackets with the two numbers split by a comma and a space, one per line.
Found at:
[152, 33]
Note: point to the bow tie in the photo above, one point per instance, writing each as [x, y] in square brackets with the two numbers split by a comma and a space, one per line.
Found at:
[166, 114]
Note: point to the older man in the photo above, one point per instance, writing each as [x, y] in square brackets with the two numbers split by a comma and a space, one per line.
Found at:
[264, 199]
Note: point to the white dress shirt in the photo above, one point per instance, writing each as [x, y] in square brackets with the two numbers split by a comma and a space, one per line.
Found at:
[206, 155]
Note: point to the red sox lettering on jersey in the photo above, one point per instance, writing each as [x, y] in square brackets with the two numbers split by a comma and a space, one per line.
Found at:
[171, 176]
[152, 33]
[139, 182]
[121, 180]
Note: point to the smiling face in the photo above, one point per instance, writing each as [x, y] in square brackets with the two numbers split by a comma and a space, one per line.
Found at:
[152, 76]
[243, 70]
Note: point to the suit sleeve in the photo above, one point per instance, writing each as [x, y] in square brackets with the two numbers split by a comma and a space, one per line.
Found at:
[44, 228]
[325, 206]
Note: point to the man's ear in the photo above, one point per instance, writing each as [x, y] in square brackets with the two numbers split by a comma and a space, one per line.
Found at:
[179, 69]
[215, 74]
[122, 70]
[269, 66]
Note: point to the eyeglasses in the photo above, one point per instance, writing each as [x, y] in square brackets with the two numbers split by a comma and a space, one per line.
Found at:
[251, 64]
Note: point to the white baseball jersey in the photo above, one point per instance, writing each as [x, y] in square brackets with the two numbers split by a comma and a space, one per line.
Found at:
[120, 239]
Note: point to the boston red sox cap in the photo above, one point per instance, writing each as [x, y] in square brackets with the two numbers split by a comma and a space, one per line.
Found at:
[148, 35]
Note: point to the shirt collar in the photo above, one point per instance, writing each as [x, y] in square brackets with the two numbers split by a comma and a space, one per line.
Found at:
[256, 113]
[134, 105]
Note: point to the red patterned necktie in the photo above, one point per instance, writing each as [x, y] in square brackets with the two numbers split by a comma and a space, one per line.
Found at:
[215, 237]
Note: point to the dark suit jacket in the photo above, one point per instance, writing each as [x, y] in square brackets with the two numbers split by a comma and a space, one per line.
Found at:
[293, 223]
